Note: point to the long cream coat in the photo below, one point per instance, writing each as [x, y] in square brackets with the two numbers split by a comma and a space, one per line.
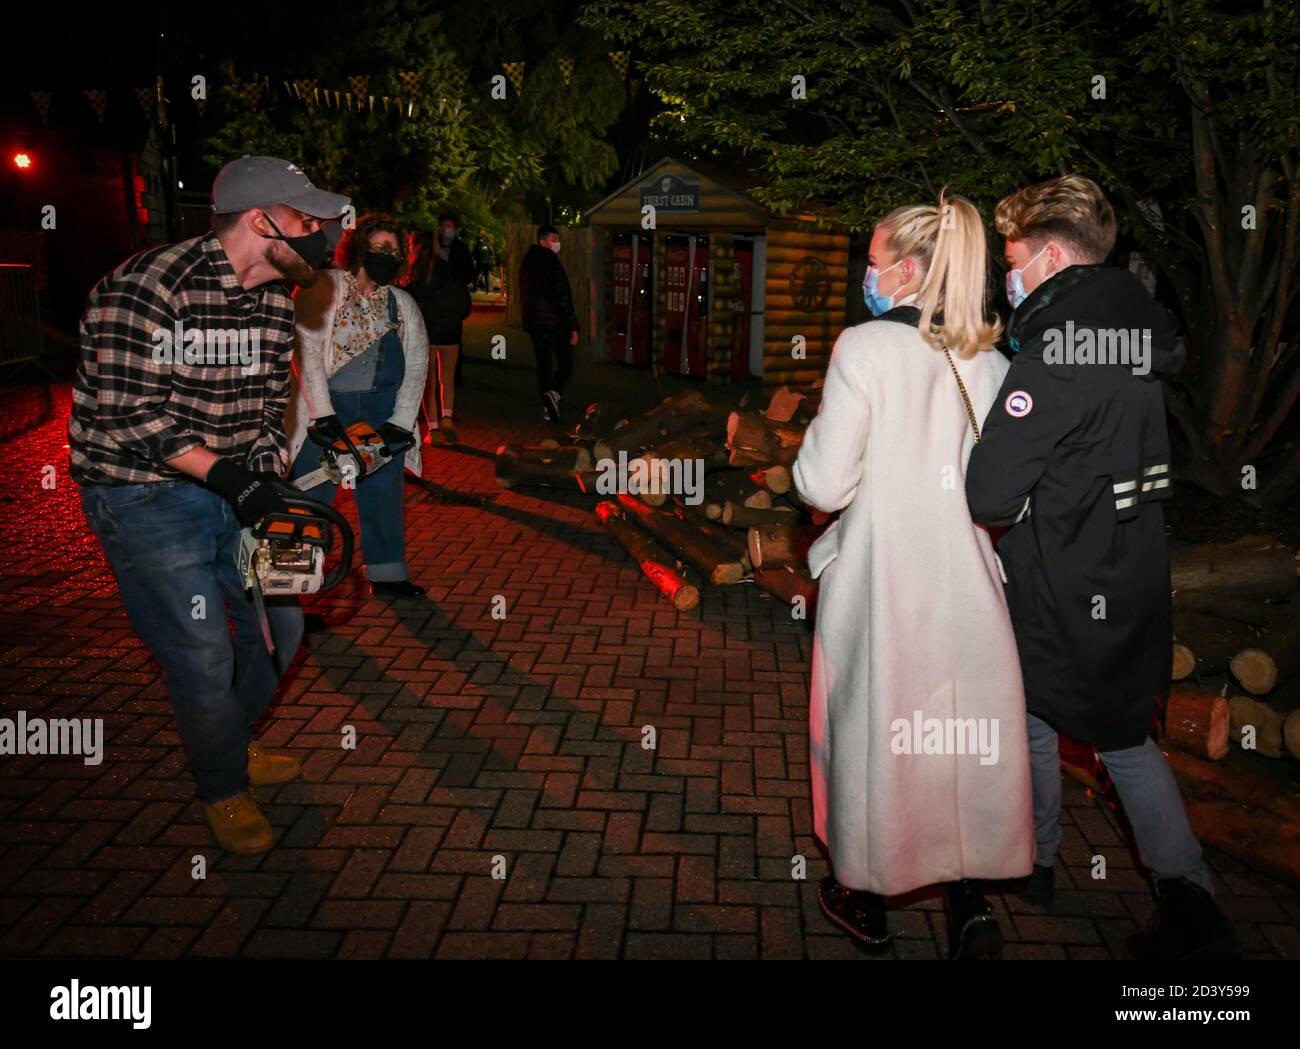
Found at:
[911, 618]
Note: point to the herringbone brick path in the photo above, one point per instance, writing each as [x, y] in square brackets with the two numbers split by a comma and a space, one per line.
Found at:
[479, 740]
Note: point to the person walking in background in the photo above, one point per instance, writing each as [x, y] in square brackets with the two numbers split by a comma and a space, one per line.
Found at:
[1075, 459]
[174, 456]
[444, 301]
[457, 255]
[912, 626]
[549, 317]
[482, 263]
[362, 357]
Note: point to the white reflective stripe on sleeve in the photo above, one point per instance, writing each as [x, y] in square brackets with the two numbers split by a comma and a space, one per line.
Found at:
[1124, 504]
[1124, 486]
[1162, 483]
[1162, 468]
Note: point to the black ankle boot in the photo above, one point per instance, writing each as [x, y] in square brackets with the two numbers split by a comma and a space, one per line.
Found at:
[1041, 887]
[1187, 924]
[860, 914]
[973, 933]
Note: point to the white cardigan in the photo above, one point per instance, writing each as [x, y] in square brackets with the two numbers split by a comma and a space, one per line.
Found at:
[911, 624]
[315, 362]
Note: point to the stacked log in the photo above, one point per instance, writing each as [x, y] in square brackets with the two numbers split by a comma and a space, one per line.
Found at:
[548, 465]
[676, 415]
[1237, 627]
[660, 567]
[1272, 661]
[1198, 722]
[746, 503]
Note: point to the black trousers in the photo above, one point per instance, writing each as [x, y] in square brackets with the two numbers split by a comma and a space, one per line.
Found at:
[552, 346]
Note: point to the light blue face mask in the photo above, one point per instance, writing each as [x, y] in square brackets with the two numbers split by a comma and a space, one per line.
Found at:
[877, 304]
[1016, 293]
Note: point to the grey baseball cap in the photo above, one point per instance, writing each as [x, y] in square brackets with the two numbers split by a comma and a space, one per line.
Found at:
[259, 182]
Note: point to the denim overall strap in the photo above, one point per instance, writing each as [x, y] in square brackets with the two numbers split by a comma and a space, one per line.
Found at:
[391, 367]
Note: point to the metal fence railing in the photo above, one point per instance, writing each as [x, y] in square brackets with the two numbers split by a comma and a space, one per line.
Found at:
[20, 313]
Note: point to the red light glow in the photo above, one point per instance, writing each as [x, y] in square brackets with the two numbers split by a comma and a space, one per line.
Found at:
[22, 160]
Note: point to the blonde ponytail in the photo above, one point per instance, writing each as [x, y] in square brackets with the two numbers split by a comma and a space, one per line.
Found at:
[948, 242]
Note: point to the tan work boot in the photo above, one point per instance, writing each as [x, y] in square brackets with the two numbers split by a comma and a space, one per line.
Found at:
[265, 769]
[239, 826]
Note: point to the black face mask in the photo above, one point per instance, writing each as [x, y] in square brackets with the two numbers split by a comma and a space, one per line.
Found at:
[312, 247]
[379, 267]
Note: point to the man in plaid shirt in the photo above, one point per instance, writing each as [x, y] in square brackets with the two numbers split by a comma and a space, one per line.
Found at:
[176, 435]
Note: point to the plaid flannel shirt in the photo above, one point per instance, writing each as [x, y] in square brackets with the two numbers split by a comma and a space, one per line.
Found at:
[176, 354]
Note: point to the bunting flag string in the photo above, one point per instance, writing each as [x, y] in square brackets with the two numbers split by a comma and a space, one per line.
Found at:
[41, 100]
[98, 100]
[566, 69]
[257, 91]
[515, 71]
[621, 60]
[144, 95]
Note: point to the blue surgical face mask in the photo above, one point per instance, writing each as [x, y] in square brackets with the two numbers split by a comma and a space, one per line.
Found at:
[1016, 293]
[877, 304]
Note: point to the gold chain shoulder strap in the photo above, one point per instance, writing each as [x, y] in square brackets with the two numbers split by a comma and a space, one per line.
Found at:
[970, 412]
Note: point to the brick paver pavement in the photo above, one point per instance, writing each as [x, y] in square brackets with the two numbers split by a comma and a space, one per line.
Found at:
[477, 738]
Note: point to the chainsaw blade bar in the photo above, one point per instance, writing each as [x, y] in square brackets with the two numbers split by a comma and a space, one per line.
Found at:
[259, 605]
[307, 482]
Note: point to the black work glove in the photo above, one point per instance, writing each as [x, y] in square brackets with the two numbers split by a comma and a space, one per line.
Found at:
[395, 438]
[251, 493]
[329, 427]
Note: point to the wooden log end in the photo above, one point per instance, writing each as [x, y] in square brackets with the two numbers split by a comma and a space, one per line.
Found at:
[1255, 669]
[1291, 734]
[1184, 662]
[728, 574]
[1198, 722]
[777, 479]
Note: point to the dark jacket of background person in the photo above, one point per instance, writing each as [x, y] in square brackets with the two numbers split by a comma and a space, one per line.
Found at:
[548, 301]
[1078, 456]
[441, 291]
[462, 265]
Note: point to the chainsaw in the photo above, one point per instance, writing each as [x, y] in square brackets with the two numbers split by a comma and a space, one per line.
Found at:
[359, 453]
[284, 553]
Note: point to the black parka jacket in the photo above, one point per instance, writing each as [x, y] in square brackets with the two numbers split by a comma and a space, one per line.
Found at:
[548, 300]
[1074, 455]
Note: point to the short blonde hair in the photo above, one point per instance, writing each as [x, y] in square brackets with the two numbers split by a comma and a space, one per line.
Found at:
[1071, 209]
[947, 240]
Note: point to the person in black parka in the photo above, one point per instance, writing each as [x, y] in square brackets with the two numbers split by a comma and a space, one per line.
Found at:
[1074, 458]
[549, 317]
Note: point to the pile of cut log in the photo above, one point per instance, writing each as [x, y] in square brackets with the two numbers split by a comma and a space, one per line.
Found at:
[1236, 672]
[694, 492]
[1237, 633]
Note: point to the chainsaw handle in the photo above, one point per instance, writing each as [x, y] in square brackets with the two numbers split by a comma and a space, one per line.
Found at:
[298, 522]
[319, 438]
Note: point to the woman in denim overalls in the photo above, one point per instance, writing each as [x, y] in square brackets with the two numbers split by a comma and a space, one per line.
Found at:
[363, 357]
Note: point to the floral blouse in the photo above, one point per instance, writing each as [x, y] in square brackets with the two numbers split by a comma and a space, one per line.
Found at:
[360, 321]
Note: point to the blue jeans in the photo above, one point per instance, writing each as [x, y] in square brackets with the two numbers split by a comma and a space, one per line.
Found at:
[170, 544]
[1148, 791]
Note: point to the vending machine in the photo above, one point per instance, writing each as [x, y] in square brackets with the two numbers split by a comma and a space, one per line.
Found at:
[741, 306]
[629, 334]
[686, 307]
